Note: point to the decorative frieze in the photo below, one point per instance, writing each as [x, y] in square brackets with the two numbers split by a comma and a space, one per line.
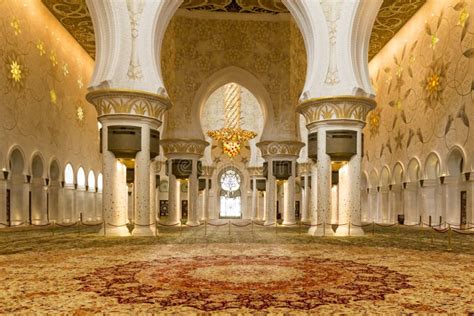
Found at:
[336, 108]
[280, 148]
[111, 102]
[184, 146]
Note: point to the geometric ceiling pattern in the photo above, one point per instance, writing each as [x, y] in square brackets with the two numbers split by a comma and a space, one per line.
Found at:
[393, 14]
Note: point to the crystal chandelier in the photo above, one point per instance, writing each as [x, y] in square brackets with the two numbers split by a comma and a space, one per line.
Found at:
[231, 135]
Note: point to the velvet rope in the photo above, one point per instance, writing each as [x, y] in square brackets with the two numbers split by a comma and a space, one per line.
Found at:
[166, 225]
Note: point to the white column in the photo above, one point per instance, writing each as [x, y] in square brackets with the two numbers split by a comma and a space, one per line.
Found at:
[384, 204]
[114, 191]
[411, 203]
[153, 194]
[69, 205]
[38, 199]
[264, 206]
[333, 216]
[270, 214]
[193, 189]
[305, 194]
[289, 216]
[205, 201]
[323, 172]
[173, 197]
[3, 202]
[429, 207]
[143, 227]
[98, 206]
[313, 206]
[90, 209]
[453, 200]
[254, 199]
[470, 199]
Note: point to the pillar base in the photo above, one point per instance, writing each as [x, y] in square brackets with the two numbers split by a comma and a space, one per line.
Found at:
[268, 223]
[320, 231]
[113, 231]
[193, 223]
[289, 222]
[144, 231]
[343, 230]
[170, 222]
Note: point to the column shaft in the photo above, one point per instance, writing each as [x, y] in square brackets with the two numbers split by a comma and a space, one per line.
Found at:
[193, 189]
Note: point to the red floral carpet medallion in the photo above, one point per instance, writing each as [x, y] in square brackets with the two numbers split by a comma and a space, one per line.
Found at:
[258, 282]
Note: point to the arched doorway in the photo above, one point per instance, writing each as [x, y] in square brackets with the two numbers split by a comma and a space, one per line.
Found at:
[17, 196]
[230, 196]
[53, 191]
[455, 192]
[38, 194]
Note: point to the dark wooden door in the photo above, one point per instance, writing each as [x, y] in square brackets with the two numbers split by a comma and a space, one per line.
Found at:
[463, 208]
[8, 206]
[184, 209]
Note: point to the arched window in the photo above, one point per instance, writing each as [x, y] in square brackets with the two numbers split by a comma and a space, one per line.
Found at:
[99, 183]
[81, 178]
[68, 174]
[91, 181]
[230, 194]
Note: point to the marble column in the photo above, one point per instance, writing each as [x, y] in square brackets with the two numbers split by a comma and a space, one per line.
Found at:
[193, 189]
[3, 201]
[115, 191]
[279, 151]
[373, 205]
[349, 191]
[470, 198]
[254, 199]
[384, 207]
[38, 202]
[410, 199]
[453, 200]
[289, 216]
[174, 202]
[429, 198]
[305, 196]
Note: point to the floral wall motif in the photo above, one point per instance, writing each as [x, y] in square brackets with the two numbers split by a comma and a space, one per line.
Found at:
[425, 88]
[42, 88]
[196, 48]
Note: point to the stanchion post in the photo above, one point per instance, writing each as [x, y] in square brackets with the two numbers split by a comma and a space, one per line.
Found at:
[205, 227]
[449, 237]
[229, 226]
[373, 228]
[181, 228]
[349, 228]
[103, 220]
[324, 229]
[432, 235]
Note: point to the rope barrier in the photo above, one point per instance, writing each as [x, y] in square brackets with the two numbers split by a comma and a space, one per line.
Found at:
[166, 225]
[463, 232]
[66, 225]
[361, 225]
[218, 225]
[108, 224]
[139, 225]
[243, 225]
[91, 225]
[386, 225]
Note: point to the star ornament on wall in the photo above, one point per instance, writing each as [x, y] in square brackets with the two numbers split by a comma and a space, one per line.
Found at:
[399, 140]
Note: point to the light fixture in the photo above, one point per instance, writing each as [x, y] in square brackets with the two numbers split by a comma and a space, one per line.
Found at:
[231, 135]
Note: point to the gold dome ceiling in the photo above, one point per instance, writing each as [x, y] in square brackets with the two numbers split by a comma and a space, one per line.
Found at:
[393, 14]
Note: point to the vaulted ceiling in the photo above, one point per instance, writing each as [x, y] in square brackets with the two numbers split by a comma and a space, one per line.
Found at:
[75, 17]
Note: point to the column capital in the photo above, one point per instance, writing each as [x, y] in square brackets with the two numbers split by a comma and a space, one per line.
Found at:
[110, 102]
[177, 148]
[280, 149]
[304, 168]
[207, 171]
[336, 109]
[255, 172]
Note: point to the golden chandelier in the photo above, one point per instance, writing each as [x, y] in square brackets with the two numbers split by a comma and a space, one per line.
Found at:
[231, 135]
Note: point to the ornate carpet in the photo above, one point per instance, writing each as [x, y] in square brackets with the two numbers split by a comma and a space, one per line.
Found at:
[236, 278]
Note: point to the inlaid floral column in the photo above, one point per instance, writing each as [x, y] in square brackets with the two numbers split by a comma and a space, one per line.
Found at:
[183, 156]
[129, 95]
[280, 157]
[304, 170]
[337, 95]
[206, 176]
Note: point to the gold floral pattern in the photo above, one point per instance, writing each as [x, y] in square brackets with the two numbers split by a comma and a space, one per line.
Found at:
[80, 114]
[434, 83]
[15, 24]
[373, 120]
[40, 47]
[53, 96]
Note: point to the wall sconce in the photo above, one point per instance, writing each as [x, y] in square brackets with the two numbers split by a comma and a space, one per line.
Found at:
[467, 176]
[62, 184]
[75, 186]
[28, 178]
[5, 174]
[46, 181]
